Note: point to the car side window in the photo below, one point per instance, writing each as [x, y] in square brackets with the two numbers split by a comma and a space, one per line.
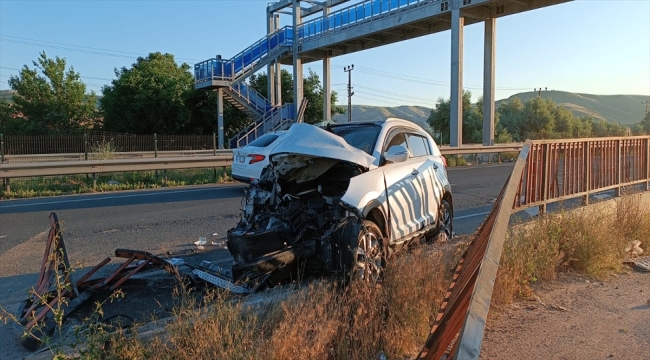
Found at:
[397, 139]
[418, 145]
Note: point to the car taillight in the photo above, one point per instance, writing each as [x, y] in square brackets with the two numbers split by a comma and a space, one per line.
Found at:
[444, 161]
[256, 158]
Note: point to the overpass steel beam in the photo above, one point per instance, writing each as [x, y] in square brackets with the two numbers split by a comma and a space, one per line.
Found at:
[278, 70]
[220, 116]
[297, 62]
[456, 119]
[327, 81]
[270, 68]
[489, 56]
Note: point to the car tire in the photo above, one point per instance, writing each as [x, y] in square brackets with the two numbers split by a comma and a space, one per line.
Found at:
[443, 231]
[370, 253]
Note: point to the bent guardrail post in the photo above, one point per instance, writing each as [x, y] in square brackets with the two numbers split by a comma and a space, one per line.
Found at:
[471, 334]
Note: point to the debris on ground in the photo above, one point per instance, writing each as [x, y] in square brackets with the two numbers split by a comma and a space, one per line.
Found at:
[639, 264]
[634, 248]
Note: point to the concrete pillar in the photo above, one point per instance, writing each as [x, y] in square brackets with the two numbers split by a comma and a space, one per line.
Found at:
[278, 70]
[220, 117]
[489, 56]
[327, 81]
[270, 68]
[456, 120]
[297, 62]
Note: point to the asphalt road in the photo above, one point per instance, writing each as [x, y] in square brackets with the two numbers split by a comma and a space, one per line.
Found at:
[170, 220]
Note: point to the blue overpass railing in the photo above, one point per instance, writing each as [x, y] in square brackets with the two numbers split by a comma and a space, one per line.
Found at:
[272, 120]
[252, 97]
[353, 14]
[230, 69]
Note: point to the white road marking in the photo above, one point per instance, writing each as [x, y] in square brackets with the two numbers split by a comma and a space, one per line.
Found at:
[95, 197]
[3, 236]
[476, 167]
[470, 215]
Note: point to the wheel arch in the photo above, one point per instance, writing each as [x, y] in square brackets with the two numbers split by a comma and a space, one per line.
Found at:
[374, 212]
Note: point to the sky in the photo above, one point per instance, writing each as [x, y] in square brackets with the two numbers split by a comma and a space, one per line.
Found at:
[585, 46]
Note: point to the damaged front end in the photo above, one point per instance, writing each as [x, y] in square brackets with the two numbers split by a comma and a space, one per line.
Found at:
[293, 214]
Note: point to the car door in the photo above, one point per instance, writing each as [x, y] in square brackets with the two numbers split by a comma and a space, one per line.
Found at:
[427, 178]
[404, 189]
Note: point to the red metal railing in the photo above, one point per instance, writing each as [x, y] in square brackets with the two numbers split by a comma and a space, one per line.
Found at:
[546, 171]
[557, 170]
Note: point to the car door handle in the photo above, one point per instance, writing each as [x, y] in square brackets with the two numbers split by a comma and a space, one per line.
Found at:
[415, 172]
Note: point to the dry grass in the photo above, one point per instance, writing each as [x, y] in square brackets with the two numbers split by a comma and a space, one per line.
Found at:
[319, 321]
[587, 242]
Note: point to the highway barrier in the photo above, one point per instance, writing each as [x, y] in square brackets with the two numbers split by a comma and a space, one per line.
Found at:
[546, 171]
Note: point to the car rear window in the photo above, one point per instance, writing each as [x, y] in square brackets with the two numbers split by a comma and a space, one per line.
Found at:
[264, 140]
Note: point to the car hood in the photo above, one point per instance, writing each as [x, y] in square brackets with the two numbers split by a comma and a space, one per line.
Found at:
[310, 140]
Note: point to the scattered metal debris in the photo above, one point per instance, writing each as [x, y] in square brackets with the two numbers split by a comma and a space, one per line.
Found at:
[640, 264]
[55, 289]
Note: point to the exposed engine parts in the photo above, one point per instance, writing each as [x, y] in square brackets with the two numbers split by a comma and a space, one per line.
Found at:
[295, 208]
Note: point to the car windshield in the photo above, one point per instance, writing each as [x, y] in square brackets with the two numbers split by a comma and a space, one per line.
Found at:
[264, 140]
[361, 136]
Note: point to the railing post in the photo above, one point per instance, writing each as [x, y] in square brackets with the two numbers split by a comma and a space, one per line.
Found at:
[546, 170]
[85, 146]
[587, 160]
[647, 163]
[619, 168]
[2, 148]
[214, 151]
[155, 145]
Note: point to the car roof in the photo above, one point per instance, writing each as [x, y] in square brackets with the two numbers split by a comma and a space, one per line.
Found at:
[392, 121]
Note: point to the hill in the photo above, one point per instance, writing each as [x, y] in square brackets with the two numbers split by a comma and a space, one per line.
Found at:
[5, 94]
[623, 109]
[416, 114]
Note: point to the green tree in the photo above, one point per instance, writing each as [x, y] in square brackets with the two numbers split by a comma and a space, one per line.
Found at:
[150, 97]
[202, 105]
[439, 120]
[511, 119]
[645, 123]
[312, 90]
[51, 99]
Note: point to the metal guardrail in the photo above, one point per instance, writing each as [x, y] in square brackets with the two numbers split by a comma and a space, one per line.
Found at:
[562, 169]
[445, 150]
[545, 171]
[16, 170]
[115, 155]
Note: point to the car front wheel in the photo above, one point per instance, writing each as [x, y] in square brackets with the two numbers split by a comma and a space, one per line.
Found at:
[371, 261]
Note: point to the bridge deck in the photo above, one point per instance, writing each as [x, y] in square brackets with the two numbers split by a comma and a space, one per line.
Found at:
[375, 23]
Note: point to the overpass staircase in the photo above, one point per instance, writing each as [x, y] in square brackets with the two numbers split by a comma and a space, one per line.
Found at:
[230, 75]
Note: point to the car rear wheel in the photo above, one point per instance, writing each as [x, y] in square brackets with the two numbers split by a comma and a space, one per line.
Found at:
[371, 259]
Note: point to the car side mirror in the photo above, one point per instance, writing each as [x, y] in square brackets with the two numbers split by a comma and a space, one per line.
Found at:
[396, 153]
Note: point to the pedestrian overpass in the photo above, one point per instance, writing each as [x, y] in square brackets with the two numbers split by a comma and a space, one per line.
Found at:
[325, 29]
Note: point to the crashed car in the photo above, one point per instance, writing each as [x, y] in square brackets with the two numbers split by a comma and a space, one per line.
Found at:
[339, 200]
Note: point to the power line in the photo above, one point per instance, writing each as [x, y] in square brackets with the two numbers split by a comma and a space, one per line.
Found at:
[77, 48]
[420, 79]
[81, 76]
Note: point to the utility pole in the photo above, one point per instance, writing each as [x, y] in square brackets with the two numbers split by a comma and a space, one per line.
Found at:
[348, 69]
[539, 91]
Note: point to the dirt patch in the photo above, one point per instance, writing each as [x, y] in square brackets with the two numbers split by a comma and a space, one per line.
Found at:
[575, 318]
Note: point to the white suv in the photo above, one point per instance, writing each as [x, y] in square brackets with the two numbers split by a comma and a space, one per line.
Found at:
[341, 198]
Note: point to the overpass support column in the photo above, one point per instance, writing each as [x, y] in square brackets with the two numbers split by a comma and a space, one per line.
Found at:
[297, 62]
[327, 80]
[489, 57]
[270, 68]
[220, 117]
[278, 69]
[456, 119]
